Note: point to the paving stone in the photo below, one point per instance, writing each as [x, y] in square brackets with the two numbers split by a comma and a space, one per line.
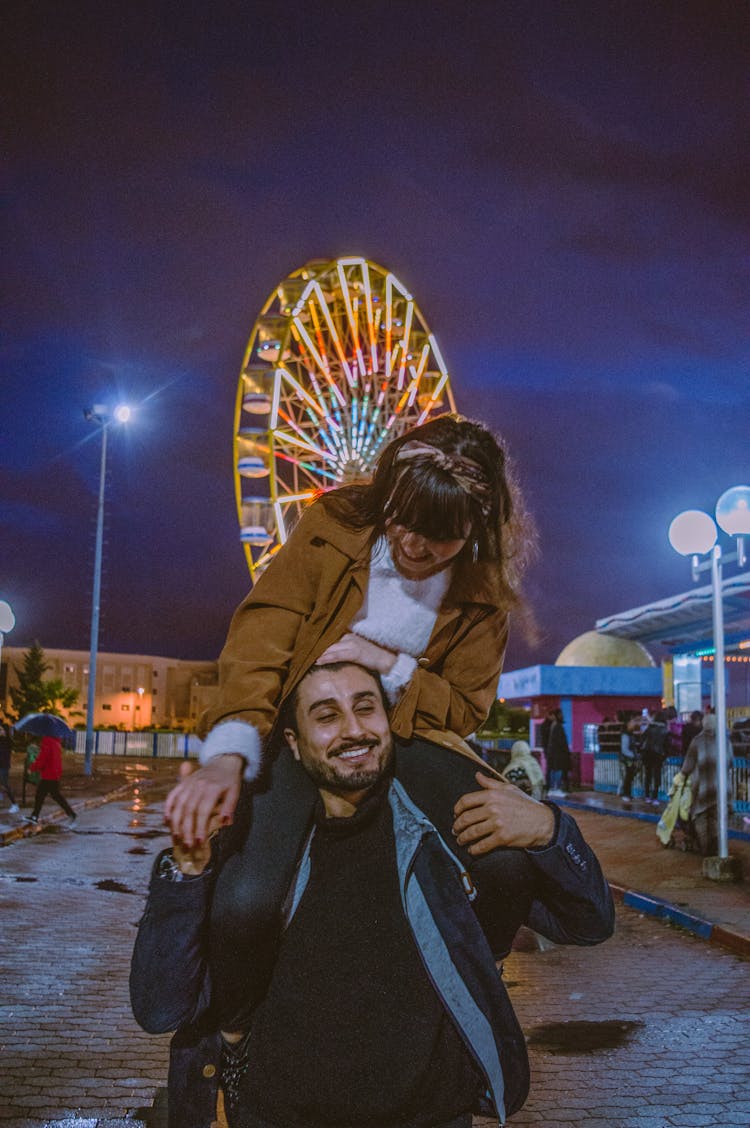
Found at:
[87, 1065]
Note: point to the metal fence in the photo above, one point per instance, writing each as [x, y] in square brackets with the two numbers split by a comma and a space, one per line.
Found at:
[608, 777]
[167, 745]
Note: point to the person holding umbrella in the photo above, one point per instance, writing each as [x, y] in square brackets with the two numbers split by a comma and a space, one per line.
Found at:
[49, 761]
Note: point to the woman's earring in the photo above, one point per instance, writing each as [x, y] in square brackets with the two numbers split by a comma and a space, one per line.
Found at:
[475, 551]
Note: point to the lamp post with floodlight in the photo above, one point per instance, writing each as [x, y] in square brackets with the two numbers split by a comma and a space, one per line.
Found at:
[101, 415]
[694, 533]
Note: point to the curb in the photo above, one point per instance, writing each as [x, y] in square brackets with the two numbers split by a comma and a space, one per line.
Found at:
[671, 914]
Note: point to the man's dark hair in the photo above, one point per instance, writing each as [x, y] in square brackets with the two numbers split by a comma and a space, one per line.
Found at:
[288, 711]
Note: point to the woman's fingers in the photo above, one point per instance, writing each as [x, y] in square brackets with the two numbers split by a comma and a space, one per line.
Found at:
[203, 797]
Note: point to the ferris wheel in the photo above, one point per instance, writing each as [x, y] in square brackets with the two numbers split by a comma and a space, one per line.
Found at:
[340, 362]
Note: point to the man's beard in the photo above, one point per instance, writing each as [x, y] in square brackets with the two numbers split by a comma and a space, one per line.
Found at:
[327, 773]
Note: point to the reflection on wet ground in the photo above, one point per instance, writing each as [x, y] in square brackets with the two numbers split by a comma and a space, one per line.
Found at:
[582, 1037]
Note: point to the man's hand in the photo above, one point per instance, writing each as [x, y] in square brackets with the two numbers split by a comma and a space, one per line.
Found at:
[500, 815]
[352, 648]
[204, 800]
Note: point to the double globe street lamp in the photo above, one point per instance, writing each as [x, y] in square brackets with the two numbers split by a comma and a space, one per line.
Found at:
[104, 418]
[694, 533]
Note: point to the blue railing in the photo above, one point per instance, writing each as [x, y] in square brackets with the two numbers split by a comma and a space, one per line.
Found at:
[608, 777]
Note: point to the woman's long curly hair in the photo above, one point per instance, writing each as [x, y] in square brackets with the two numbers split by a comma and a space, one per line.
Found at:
[425, 497]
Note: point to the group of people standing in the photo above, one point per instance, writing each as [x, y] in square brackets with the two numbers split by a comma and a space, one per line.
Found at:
[643, 744]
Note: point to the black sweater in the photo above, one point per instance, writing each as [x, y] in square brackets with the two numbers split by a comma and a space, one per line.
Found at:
[351, 1032]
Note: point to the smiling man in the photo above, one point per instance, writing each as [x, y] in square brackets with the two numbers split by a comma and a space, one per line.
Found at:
[385, 1006]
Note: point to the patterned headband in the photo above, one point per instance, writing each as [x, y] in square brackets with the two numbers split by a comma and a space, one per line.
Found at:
[467, 473]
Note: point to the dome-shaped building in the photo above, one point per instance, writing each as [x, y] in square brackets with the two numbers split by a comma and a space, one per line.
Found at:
[594, 649]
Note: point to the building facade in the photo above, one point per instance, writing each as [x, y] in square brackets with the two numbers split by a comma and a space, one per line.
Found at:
[133, 691]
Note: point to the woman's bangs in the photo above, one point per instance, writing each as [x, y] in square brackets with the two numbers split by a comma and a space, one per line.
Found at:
[438, 510]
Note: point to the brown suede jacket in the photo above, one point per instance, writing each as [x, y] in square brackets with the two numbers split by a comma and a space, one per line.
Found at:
[307, 599]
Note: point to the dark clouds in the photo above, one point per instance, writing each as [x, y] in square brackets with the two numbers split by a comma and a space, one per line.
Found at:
[563, 187]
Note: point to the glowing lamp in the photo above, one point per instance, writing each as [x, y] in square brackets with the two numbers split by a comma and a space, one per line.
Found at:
[733, 511]
[692, 533]
[122, 413]
[7, 618]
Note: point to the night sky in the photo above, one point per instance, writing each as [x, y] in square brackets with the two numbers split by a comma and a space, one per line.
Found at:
[563, 187]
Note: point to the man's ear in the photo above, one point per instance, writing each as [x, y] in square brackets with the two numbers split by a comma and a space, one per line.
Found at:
[290, 736]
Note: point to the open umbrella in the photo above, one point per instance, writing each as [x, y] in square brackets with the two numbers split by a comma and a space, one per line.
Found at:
[44, 724]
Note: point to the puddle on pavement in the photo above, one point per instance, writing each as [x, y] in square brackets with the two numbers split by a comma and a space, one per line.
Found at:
[26, 879]
[582, 1037]
[113, 886]
[138, 850]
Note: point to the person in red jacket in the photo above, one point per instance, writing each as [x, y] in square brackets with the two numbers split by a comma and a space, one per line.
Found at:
[49, 765]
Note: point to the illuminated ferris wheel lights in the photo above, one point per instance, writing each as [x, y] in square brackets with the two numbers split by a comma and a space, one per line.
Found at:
[251, 466]
[346, 348]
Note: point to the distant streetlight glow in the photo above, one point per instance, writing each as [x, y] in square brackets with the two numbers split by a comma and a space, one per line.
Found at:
[101, 415]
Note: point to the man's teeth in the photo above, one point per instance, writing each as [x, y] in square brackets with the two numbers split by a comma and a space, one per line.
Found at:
[351, 753]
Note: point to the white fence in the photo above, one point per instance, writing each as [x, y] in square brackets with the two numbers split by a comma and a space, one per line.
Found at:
[167, 745]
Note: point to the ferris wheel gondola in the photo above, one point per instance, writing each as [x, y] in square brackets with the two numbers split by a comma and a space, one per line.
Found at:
[339, 363]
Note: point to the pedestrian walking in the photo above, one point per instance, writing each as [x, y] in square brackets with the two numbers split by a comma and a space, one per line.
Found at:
[6, 750]
[654, 749]
[700, 765]
[558, 756]
[49, 766]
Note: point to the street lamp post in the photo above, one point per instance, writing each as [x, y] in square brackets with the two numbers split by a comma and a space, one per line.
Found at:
[694, 533]
[7, 623]
[100, 415]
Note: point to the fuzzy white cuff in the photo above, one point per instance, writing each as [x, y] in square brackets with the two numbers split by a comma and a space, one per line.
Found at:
[236, 737]
[399, 675]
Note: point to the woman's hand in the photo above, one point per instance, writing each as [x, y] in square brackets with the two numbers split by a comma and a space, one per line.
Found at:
[500, 815]
[353, 648]
[204, 800]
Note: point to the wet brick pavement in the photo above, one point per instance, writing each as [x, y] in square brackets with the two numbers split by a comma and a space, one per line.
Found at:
[658, 1021]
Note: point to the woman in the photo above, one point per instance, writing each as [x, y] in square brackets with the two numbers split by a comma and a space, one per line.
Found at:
[412, 576]
[524, 771]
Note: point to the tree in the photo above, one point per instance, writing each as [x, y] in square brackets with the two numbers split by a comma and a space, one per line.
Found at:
[35, 695]
[505, 720]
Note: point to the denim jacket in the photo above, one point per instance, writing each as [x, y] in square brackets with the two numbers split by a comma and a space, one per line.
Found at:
[170, 985]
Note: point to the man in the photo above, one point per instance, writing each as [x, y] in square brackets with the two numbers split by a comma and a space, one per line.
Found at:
[384, 1006]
